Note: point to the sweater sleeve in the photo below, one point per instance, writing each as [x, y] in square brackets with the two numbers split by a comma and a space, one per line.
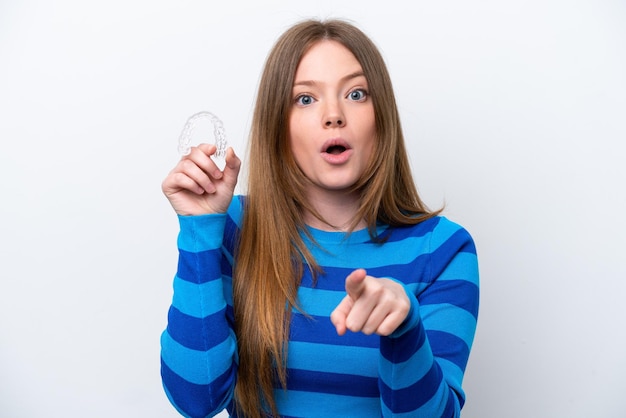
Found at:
[198, 347]
[422, 363]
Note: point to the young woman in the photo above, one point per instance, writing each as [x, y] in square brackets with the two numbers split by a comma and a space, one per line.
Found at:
[329, 289]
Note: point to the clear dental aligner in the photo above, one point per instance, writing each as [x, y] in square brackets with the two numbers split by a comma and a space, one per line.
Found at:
[184, 140]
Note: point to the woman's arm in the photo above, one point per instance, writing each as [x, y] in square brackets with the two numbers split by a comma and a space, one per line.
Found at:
[422, 363]
[198, 348]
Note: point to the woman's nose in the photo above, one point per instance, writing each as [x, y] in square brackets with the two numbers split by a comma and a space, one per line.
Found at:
[334, 121]
[333, 116]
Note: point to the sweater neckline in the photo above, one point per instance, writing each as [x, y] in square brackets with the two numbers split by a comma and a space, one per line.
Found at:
[339, 237]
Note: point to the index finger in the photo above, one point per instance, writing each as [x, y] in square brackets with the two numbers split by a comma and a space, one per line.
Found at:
[355, 283]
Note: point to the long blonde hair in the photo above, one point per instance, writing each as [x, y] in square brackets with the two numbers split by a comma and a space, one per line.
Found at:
[271, 253]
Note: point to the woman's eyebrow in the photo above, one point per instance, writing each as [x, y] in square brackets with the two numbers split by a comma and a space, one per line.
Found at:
[343, 79]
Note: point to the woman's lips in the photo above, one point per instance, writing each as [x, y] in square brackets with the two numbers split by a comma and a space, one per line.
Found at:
[337, 159]
[336, 151]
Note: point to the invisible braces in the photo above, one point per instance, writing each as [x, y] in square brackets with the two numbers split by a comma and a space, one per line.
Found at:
[184, 140]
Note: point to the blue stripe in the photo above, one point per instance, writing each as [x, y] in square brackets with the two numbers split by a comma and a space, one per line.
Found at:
[197, 333]
[432, 408]
[184, 361]
[369, 255]
[319, 302]
[403, 374]
[185, 395]
[236, 209]
[385, 233]
[335, 383]
[401, 349]
[443, 231]
[415, 396]
[449, 347]
[460, 241]
[458, 321]
[227, 285]
[320, 330]
[453, 408]
[464, 266]
[198, 300]
[310, 404]
[230, 317]
[416, 267]
[199, 267]
[231, 233]
[227, 262]
[201, 233]
[454, 374]
[422, 229]
[334, 277]
[460, 293]
[338, 359]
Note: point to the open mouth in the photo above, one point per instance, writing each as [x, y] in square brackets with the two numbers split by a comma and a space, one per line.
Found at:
[335, 149]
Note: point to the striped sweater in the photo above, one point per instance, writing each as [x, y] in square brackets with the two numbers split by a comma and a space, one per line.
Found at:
[415, 372]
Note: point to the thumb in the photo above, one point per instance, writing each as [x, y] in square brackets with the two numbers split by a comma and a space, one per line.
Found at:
[231, 169]
[355, 283]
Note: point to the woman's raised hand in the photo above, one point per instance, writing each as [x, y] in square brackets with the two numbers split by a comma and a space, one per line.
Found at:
[197, 186]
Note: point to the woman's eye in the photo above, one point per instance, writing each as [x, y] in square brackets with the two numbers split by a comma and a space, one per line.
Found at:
[358, 95]
[304, 100]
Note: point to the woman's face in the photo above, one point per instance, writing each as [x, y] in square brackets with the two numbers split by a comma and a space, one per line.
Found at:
[331, 126]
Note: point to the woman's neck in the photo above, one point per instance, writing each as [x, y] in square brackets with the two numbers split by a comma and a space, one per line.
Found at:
[337, 209]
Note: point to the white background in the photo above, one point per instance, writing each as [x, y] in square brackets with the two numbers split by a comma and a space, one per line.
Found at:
[514, 114]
